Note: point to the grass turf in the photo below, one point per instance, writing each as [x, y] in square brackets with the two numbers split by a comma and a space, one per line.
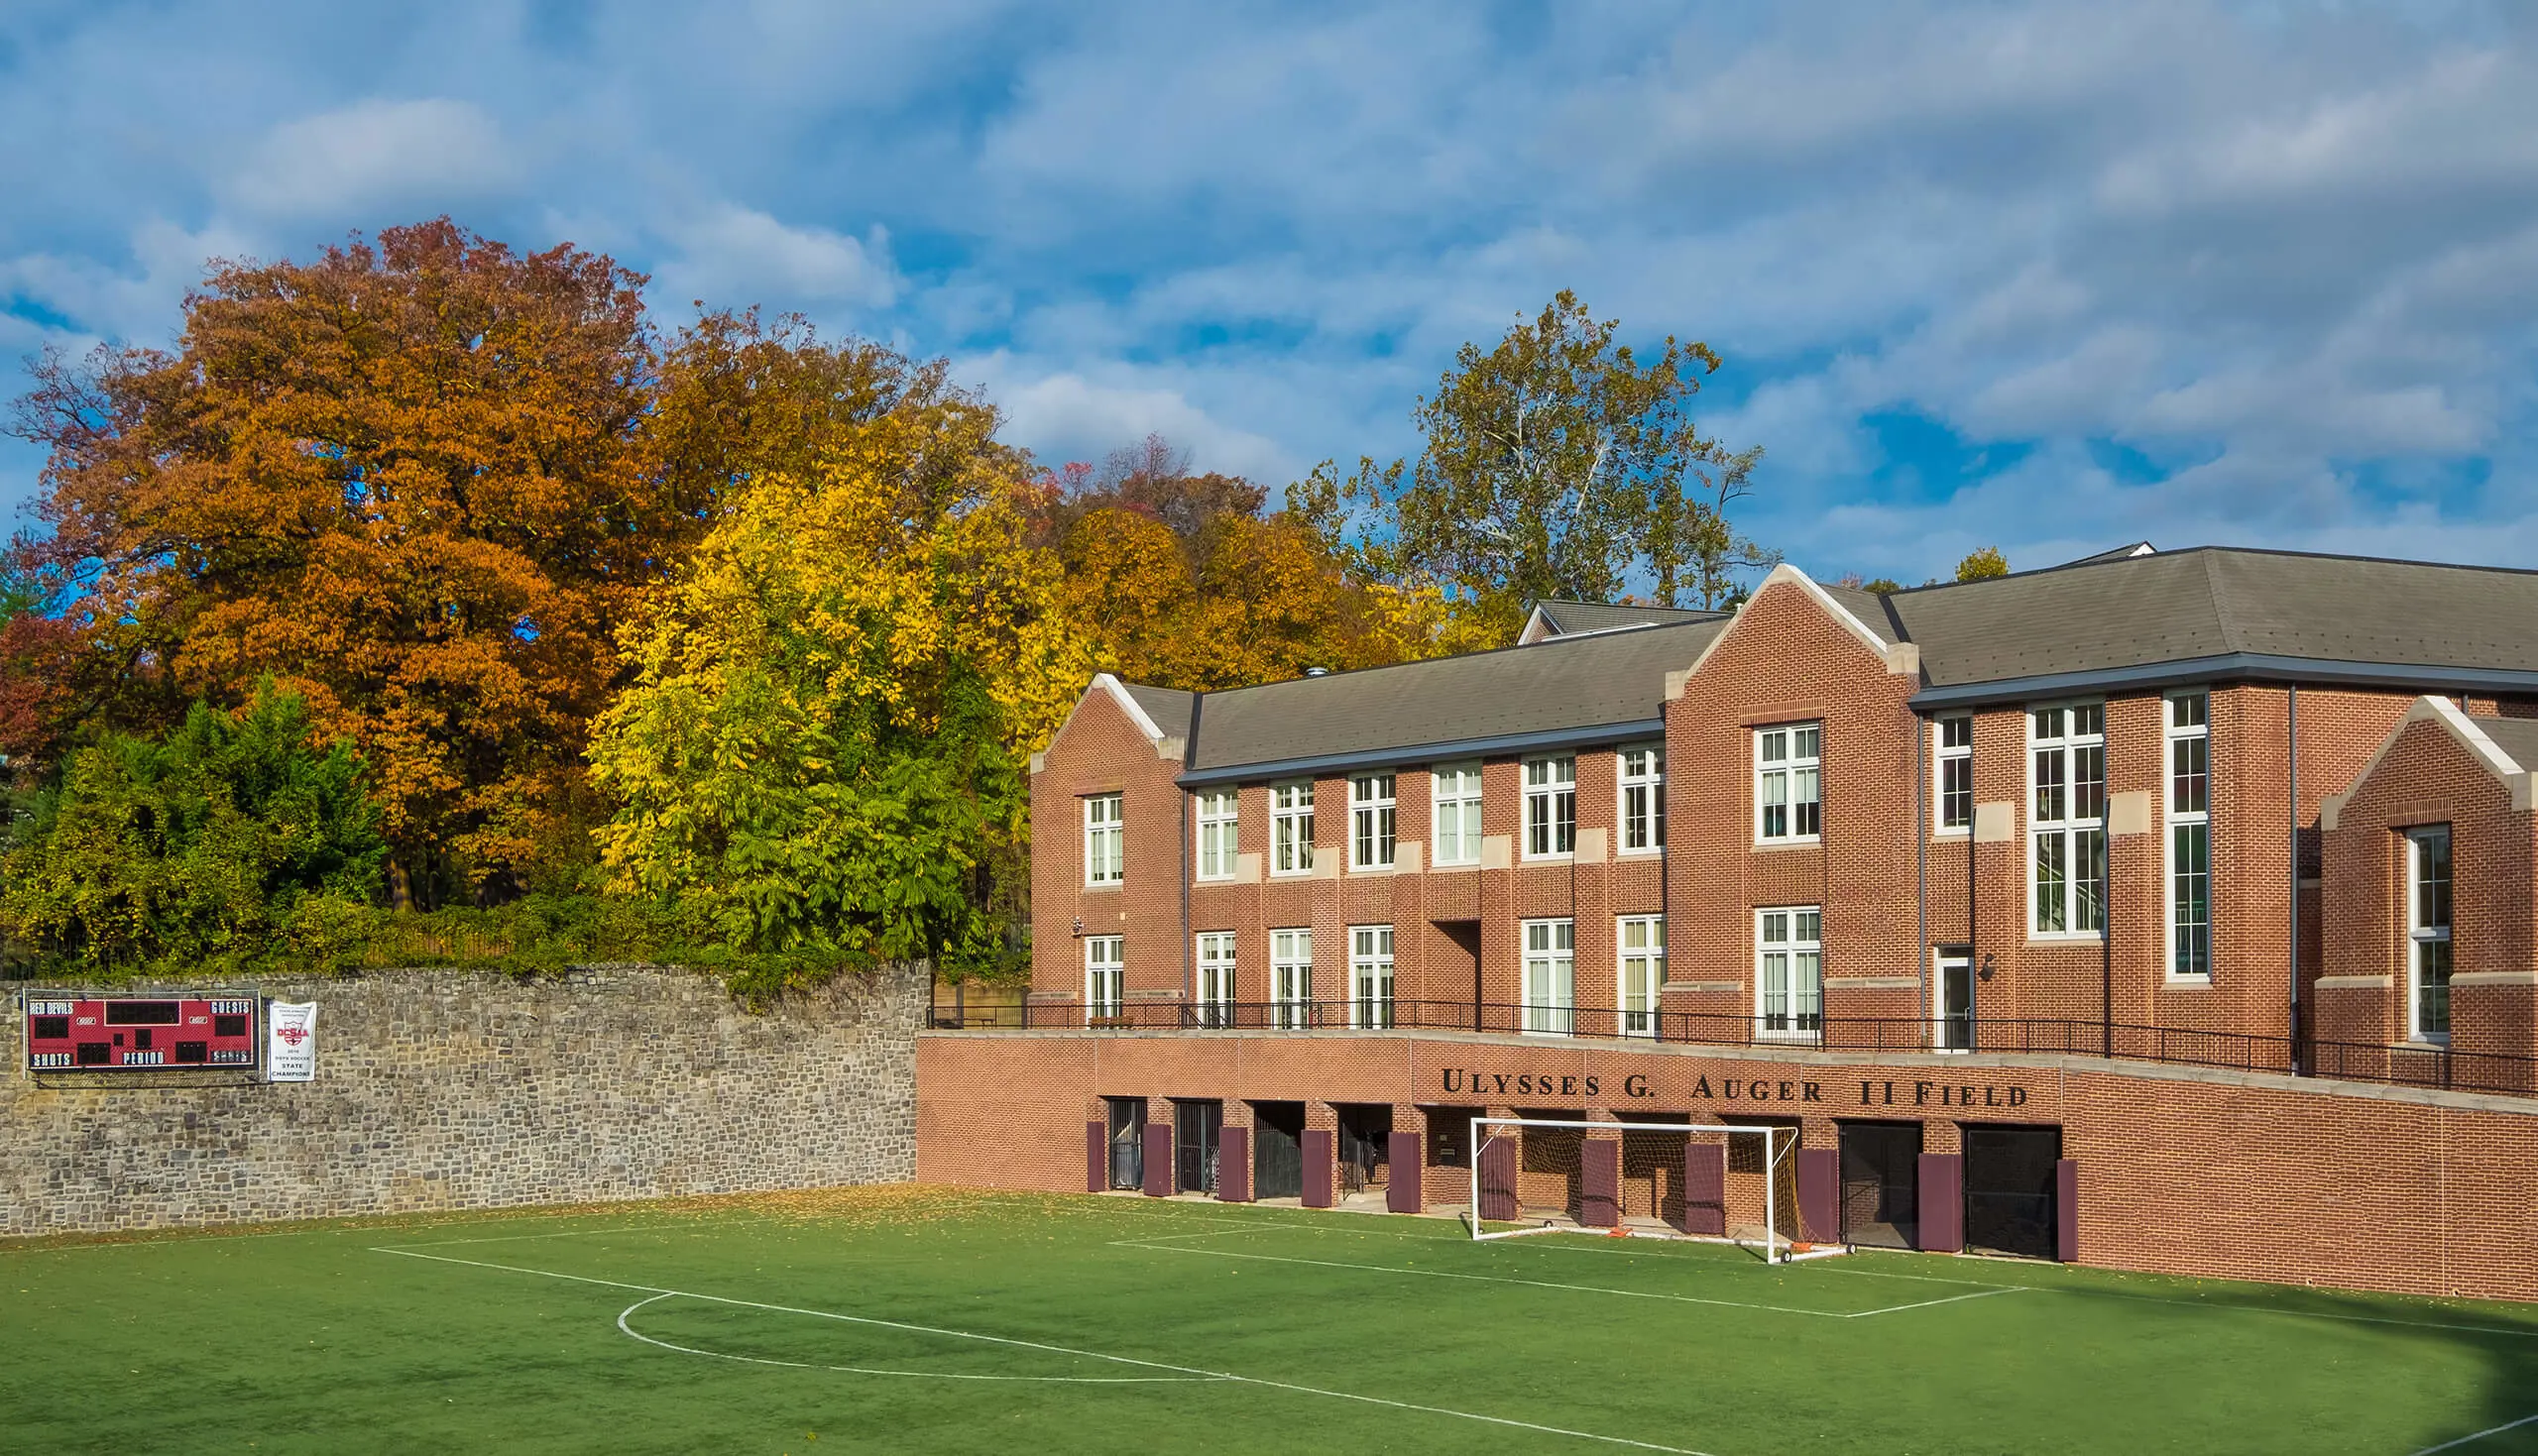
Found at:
[922, 1319]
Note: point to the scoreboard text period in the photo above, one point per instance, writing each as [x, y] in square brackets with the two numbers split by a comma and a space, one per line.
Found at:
[119, 1033]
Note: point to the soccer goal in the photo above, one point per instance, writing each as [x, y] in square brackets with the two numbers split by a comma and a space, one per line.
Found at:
[1546, 1176]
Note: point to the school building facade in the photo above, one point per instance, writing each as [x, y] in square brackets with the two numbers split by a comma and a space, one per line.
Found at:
[2165, 910]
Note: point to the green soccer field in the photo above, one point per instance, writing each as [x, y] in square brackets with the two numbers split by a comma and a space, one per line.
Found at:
[935, 1320]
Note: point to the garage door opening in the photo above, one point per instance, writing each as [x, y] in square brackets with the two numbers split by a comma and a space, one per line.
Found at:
[2009, 1192]
[1882, 1183]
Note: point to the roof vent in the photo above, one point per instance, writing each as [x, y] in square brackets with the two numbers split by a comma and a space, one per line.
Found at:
[1317, 672]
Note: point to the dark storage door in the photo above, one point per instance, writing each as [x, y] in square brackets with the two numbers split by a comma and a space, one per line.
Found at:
[1196, 1128]
[2009, 1189]
[1366, 1153]
[1880, 1183]
[1127, 1142]
[1277, 1150]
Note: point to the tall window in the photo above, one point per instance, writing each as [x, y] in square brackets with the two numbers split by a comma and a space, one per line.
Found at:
[1291, 827]
[1643, 776]
[1458, 804]
[1371, 976]
[1216, 822]
[1291, 978]
[1370, 819]
[1551, 976]
[1101, 840]
[1105, 977]
[1955, 798]
[1215, 978]
[1789, 785]
[2189, 835]
[1551, 806]
[1788, 971]
[1642, 971]
[2428, 933]
[2067, 793]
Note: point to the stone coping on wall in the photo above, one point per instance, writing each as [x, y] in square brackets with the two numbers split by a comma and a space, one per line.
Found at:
[2068, 1063]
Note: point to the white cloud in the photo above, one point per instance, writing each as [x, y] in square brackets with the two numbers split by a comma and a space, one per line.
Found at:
[734, 255]
[1065, 415]
[352, 163]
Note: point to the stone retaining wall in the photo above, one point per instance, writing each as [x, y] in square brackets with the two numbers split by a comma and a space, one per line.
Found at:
[458, 1090]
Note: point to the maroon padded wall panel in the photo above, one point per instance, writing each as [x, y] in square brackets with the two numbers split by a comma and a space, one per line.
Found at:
[1943, 1212]
[1158, 1159]
[1405, 1161]
[2066, 1210]
[1498, 1180]
[1599, 1183]
[1318, 1166]
[1819, 1186]
[1233, 1166]
[1705, 1190]
[1097, 1158]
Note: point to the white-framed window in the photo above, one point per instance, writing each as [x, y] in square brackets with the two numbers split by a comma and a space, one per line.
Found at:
[1789, 784]
[1291, 827]
[1291, 978]
[1104, 835]
[1218, 817]
[2189, 836]
[1952, 786]
[1643, 806]
[1642, 941]
[1550, 978]
[1215, 997]
[1456, 794]
[1371, 976]
[1370, 821]
[1788, 973]
[1106, 972]
[2428, 933]
[2066, 801]
[1551, 807]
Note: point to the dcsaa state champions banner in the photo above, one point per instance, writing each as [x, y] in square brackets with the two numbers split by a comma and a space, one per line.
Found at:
[291, 1035]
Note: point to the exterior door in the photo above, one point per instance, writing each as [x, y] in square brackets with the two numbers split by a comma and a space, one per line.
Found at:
[1127, 1142]
[1197, 1129]
[1277, 1150]
[1953, 1005]
[1882, 1183]
[2010, 1202]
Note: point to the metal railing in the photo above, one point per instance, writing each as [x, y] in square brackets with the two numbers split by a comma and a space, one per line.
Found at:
[2408, 1064]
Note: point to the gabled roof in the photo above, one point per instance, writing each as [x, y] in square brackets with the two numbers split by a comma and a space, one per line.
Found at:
[2225, 613]
[2507, 746]
[1167, 709]
[1569, 689]
[1553, 618]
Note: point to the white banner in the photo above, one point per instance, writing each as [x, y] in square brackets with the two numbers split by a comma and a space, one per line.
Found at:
[290, 1042]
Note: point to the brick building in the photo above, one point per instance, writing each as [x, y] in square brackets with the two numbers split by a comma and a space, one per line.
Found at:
[2162, 910]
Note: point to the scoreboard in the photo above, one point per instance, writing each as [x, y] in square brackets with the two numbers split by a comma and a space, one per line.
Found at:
[143, 1033]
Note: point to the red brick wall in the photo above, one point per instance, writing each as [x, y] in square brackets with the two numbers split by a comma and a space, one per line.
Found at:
[1101, 749]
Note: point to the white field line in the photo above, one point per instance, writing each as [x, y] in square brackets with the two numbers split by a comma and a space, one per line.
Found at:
[2491, 1430]
[1055, 1380]
[1018, 1344]
[576, 1233]
[1946, 1300]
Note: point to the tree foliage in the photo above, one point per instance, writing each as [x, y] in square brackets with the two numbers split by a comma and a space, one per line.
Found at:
[207, 847]
[1981, 564]
[1559, 463]
[819, 752]
[404, 481]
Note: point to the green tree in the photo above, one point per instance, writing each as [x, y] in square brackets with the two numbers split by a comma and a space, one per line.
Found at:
[1559, 463]
[1981, 564]
[202, 849]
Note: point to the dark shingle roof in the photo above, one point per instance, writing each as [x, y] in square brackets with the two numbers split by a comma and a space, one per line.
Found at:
[1572, 617]
[1552, 688]
[2517, 737]
[2214, 602]
[1168, 706]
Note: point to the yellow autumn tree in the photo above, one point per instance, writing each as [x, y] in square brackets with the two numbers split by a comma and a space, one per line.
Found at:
[820, 753]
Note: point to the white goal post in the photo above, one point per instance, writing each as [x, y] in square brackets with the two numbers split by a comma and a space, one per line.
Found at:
[1777, 1143]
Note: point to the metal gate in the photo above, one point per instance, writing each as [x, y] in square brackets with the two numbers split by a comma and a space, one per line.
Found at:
[2010, 1190]
[1882, 1183]
[1127, 1142]
[1365, 1135]
[1277, 1150]
[1196, 1128]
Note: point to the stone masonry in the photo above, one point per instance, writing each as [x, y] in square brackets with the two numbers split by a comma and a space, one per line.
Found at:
[455, 1089]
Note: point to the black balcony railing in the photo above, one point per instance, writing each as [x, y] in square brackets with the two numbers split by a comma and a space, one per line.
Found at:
[2407, 1064]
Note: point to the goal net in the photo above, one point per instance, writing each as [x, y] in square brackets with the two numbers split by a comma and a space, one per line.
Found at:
[1707, 1180]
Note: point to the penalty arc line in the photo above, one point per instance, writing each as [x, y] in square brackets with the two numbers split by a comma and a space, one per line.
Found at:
[1184, 1369]
[632, 1332]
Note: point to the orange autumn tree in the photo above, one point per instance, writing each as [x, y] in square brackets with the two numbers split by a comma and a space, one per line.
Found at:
[407, 482]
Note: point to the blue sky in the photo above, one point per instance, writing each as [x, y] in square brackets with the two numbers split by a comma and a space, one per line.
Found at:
[2051, 276]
